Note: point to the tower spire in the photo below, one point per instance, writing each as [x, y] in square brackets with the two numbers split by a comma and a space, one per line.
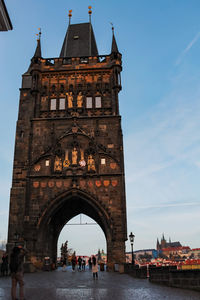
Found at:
[114, 48]
[38, 52]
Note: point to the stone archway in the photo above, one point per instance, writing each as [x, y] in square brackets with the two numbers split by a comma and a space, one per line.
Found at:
[60, 211]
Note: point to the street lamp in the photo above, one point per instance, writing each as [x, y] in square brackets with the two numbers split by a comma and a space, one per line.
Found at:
[131, 237]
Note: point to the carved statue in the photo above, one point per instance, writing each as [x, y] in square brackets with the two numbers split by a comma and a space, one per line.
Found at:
[79, 100]
[69, 99]
[66, 162]
[74, 156]
[91, 163]
[43, 103]
[58, 164]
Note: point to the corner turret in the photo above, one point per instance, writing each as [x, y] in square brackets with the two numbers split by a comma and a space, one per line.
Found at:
[38, 52]
[114, 48]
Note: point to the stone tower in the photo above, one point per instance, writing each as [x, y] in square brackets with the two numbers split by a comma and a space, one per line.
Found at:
[69, 148]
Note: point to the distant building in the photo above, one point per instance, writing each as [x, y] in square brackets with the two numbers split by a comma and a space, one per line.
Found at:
[195, 253]
[5, 23]
[176, 251]
[139, 253]
[164, 244]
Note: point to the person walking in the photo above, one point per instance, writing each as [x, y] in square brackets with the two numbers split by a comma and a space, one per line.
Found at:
[79, 263]
[4, 265]
[16, 269]
[83, 263]
[73, 262]
[64, 264]
[90, 263]
[94, 267]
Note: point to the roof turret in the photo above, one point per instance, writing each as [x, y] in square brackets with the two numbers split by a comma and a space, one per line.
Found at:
[79, 41]
[114, 48]
[38, 52]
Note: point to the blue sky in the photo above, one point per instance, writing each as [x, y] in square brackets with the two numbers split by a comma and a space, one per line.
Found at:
[159, 104]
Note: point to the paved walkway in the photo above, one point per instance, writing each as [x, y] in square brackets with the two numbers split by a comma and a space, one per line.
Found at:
[60, 285]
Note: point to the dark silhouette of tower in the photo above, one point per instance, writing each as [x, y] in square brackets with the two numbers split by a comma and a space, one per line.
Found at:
[69, 147]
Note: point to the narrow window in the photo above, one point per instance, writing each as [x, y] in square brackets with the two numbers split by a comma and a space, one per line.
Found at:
[88, 102]
[97, 102]
[53, 104]
[62, 103]
[47, 163]
[53, 88]
[61, 88]
[103, 161]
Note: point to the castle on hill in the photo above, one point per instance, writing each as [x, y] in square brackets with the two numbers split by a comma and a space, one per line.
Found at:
[164, 244]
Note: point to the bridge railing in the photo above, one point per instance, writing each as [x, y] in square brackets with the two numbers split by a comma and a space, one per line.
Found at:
[136, 271]
[170, 276]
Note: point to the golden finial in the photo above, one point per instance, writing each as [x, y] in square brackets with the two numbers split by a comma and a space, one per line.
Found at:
[38, 34]
[90, 12]
[70, 15]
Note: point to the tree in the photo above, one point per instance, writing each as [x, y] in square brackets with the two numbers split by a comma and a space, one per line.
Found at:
[64, 251]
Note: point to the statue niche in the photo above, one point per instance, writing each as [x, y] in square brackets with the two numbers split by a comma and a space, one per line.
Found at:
[66, 162]
[79, 100]
[74, 156]
[58, 164]
[69, 99]
[91, 163]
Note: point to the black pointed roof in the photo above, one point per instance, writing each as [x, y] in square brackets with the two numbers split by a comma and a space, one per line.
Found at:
[5, 22]
[79, 41]
[114, 48]
[38, 52]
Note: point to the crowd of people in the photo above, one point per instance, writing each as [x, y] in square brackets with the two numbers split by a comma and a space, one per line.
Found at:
[14, 267]
[80, 262]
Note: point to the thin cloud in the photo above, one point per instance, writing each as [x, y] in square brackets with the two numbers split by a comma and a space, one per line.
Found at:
[166, 205]
[197, 164]
[187, 49]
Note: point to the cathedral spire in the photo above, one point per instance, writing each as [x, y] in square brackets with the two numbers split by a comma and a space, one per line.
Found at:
[114, 48]
[163, 237]
[157, 244]
[38, 52]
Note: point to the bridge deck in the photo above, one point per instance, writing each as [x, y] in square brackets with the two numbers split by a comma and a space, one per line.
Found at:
[60, 285]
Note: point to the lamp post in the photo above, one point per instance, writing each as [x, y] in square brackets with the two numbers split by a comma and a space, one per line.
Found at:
[131, 237]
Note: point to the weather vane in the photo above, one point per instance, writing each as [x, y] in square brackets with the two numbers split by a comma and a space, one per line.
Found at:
[70, 15]
[39, 34]
[112, 27]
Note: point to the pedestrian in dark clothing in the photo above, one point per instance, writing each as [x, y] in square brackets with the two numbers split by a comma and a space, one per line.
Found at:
[90, 263]
[94, 267]
[79, 263]
[73, 262]
[4, 265]
[16, 269]
[83, 264]
[64, 264]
